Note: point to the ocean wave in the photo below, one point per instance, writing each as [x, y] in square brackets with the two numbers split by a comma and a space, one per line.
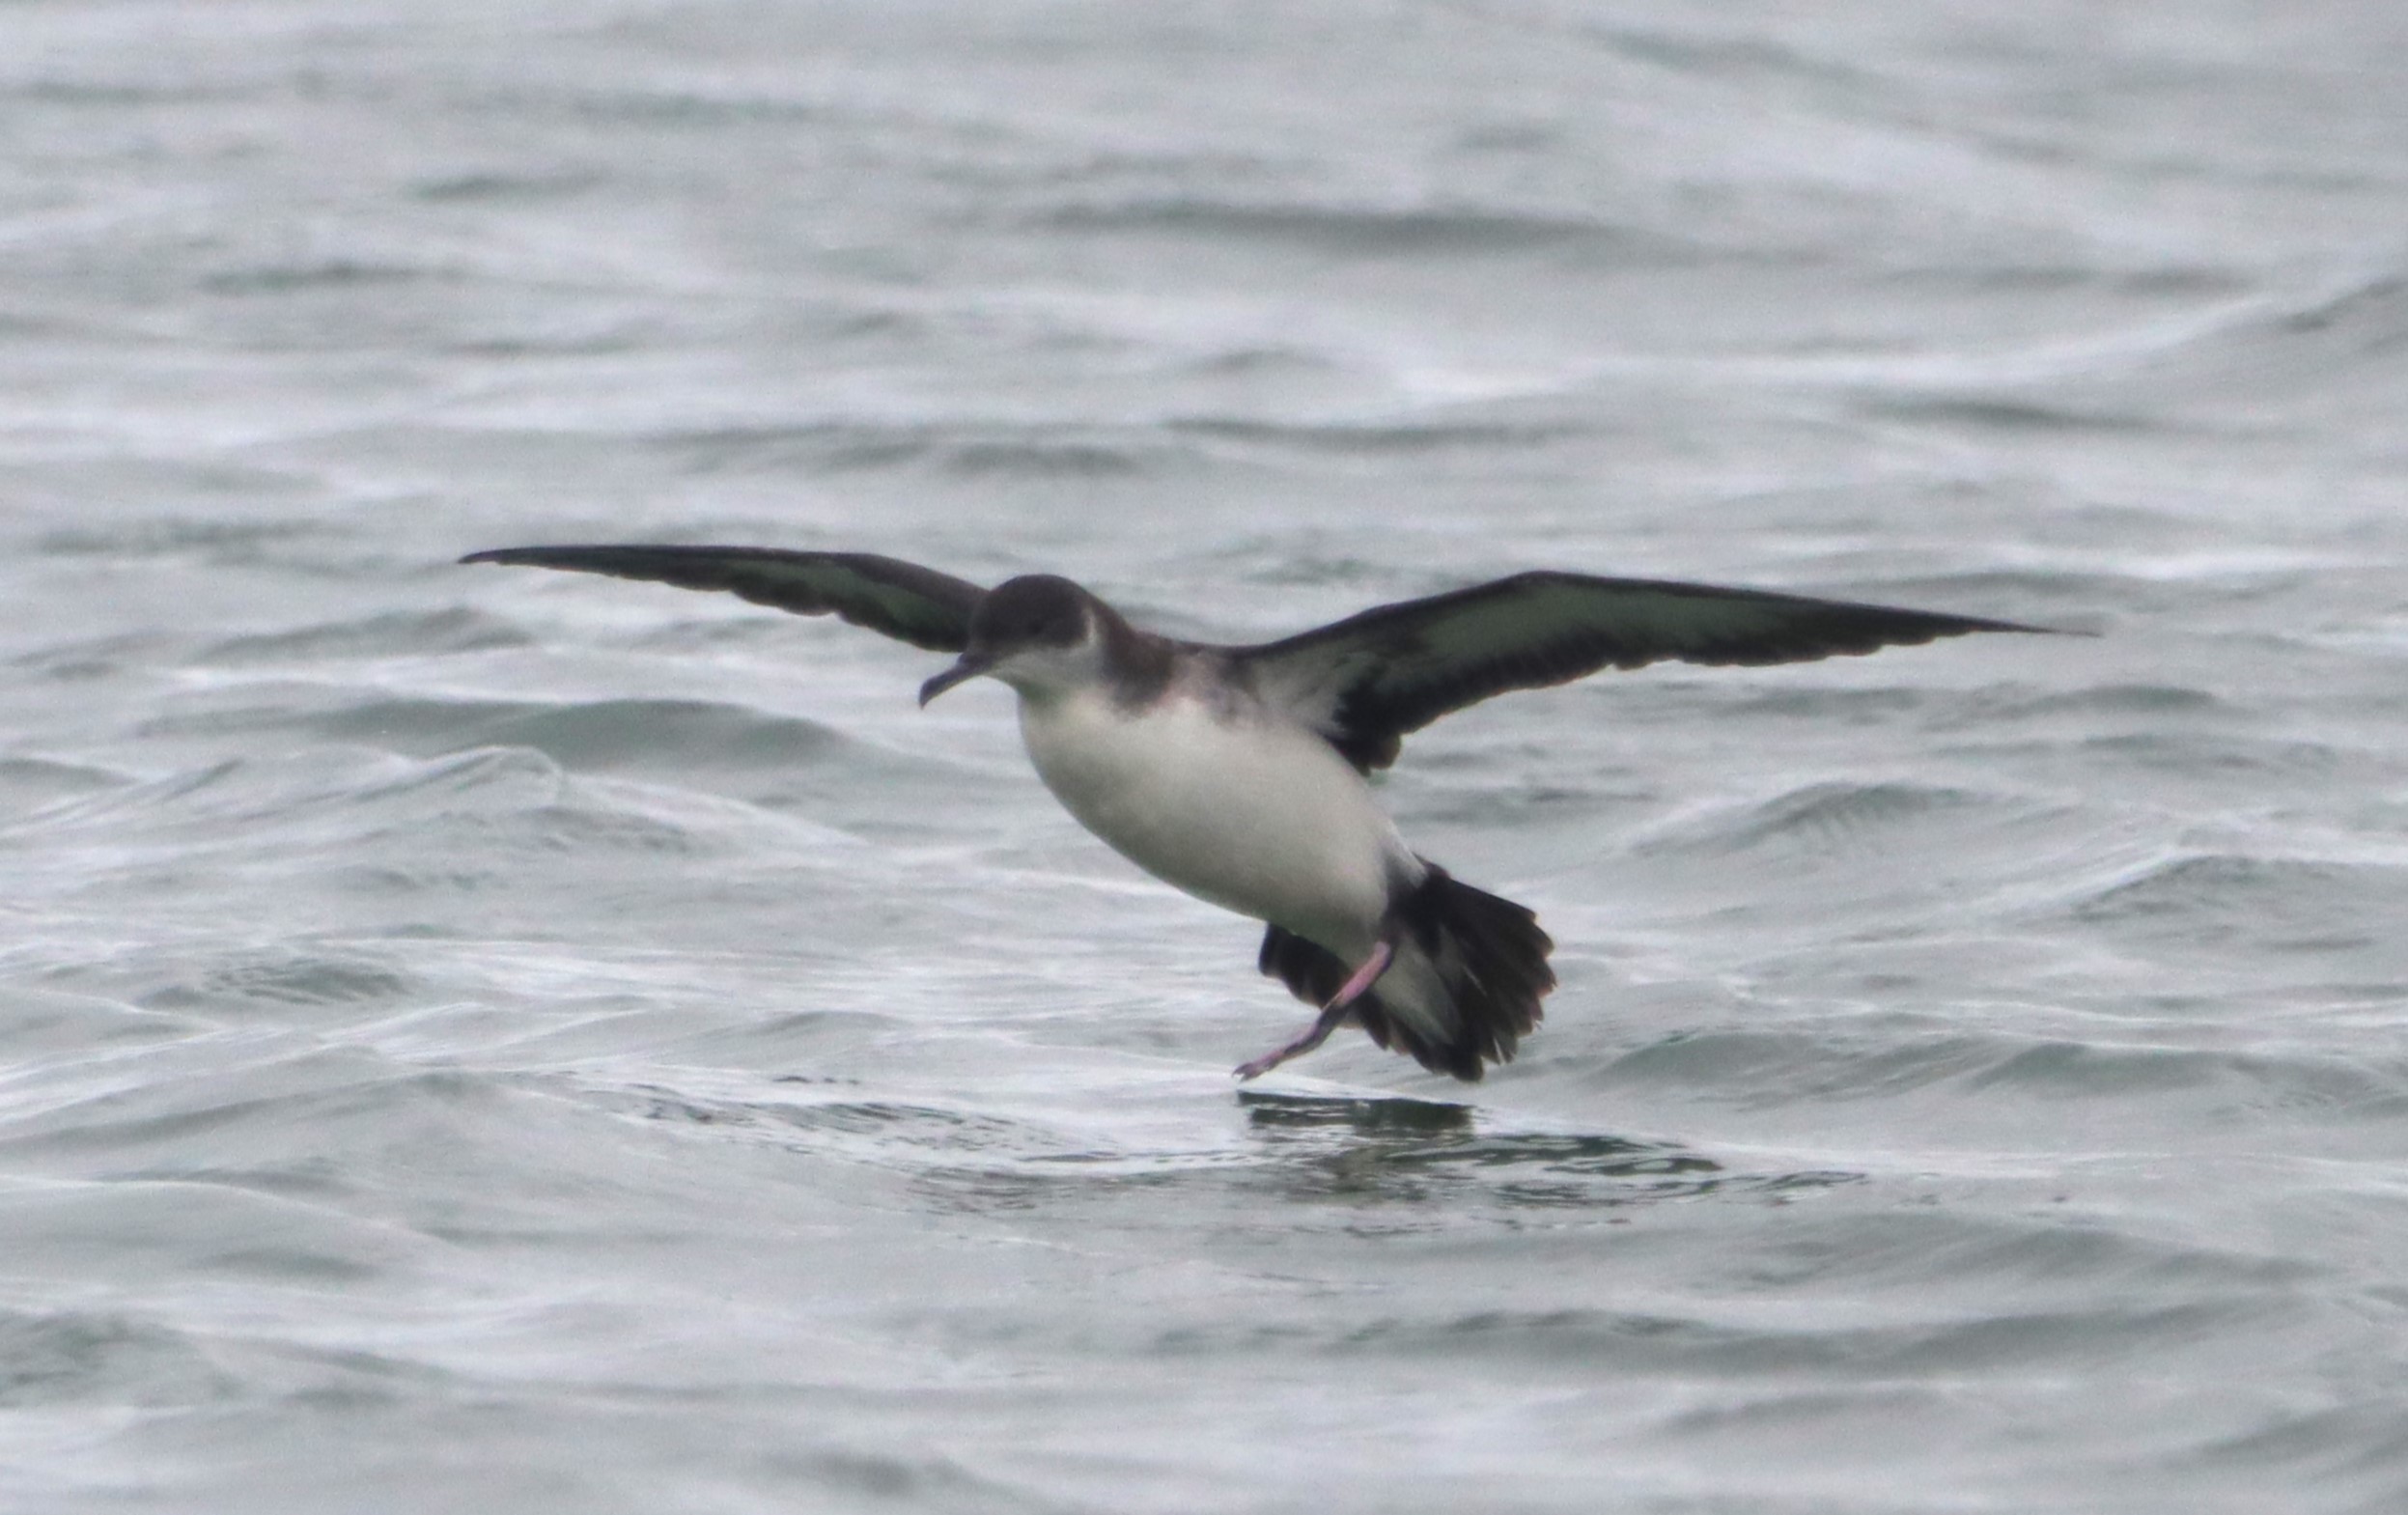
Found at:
[2240, 1080]
[2146, 701]
[2277, 351]
[391, 634]
[1843, 816]
[296, 790]
[1400, 231]
[55, 1359]
[1391, 436]
[294, 977]
[603, 734]
[1766, 1067]
[202, 1228]
[2244, 904]
[930, 1141]
[2008, 413]
[36, 783]
[219, 538]
[967, 449]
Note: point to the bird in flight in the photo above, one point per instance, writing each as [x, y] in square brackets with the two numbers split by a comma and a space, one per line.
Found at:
[1238, 773]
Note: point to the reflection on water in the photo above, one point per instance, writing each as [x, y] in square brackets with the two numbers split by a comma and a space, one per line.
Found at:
[1311, 1148]
[1365, 1117]
[1412, 1150]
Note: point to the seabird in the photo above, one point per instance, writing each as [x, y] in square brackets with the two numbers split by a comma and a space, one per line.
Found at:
[1238, 773]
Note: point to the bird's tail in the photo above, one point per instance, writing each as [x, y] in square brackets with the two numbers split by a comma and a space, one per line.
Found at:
[1463, 988]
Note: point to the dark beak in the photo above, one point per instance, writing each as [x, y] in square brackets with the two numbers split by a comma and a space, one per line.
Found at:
[970, 667]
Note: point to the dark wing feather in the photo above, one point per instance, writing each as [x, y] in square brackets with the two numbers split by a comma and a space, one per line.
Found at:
[904, 601]
[1366, 680]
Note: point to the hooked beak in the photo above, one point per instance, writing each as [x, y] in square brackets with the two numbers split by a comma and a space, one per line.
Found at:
[970, 666]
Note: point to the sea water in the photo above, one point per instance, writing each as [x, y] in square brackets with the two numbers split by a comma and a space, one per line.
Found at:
[478, 1039]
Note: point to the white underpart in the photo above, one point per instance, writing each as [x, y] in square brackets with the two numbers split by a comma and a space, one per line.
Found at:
[1247, 811]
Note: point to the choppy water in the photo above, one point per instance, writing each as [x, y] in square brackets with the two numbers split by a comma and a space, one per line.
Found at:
[480, 1040]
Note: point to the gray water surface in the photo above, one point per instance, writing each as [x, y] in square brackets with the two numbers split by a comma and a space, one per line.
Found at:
[478, 1040]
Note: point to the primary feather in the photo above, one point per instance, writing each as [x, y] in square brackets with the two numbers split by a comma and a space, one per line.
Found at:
[1366, 682]
[904, 600]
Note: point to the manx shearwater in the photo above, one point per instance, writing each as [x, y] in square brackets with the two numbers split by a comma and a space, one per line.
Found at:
[1237, 772]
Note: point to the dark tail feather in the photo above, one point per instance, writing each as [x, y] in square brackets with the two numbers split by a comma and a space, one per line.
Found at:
[1488, 953]
[1492, 956]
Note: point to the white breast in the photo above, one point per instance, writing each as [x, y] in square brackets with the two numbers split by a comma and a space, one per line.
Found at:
[1254, 815]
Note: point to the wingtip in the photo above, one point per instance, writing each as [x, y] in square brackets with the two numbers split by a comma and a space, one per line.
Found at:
[2039, 630]
[509, 556]
[1966, 625]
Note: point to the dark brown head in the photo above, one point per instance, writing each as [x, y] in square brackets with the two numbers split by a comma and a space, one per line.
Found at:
[1036, 633]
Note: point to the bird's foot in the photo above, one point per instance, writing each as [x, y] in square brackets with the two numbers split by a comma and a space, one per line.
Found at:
[1334, 1015]
[1329, 1020]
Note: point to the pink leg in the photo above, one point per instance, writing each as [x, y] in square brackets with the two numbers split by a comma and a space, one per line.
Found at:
[1354, 988]
[1329, 1020]
[1334, 1015]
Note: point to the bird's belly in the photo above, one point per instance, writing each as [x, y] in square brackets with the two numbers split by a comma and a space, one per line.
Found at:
[1257, 818]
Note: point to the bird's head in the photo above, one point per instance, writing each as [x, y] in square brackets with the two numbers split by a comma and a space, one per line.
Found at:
[1039, 632]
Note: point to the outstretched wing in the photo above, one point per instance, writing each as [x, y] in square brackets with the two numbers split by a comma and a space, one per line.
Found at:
[1366, 680]
[904, 601]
